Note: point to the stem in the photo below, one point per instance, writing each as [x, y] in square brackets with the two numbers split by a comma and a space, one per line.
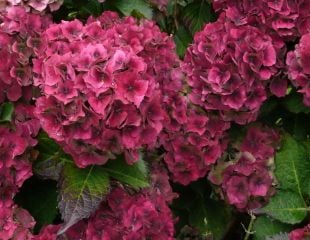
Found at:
[249, 231]
[175, 17]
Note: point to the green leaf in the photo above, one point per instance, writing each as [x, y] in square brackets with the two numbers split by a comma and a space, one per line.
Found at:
[265, 226]
[135, 175]
[196, 14]
[293, 166]
[51, 158]
[6, 112]
[39, 197]
[294, 103]
[182, 39]
[137, 7]
[81, 191]
[287, 207]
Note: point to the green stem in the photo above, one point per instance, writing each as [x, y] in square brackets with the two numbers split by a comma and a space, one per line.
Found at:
[248, 231]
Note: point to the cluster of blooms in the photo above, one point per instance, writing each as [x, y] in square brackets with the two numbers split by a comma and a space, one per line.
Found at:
[195, 146]
[286, 18]
[127, 215]
[298, 63]
[246, 181]
[36, 5]
[19, 41]
[229, 68]
[300, 234]
[140, 216]
[103, 86]
[15, 168]
[15, 222]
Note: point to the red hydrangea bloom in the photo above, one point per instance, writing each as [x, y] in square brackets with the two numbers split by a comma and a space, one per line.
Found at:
[288, 19]
[105, 86]
[48, 232]
[14, 165]
[139, 216]
[229, 68]
[194, 147]
[300, 234]
[298, 63]
[19, 40]
[36, 5]
[15, 223]
[130, 215]
[245, 180]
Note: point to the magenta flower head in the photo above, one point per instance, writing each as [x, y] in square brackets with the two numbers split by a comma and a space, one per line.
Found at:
[287, 19]
[106, 86]
[245, 179]
[300, 233]
[126, 214]
[19, 40]
[37, 5]
[16, 223]
[298, 63]
[194, 147]
[230, 67]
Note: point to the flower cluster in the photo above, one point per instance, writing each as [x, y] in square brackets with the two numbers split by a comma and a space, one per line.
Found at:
[15, 168]
[298, 63]
[300, 234]
[15, 222]
[128, 215]
[246, 180]
[102, 84]
[36, 5]
[131, 217]
[19, 40]
[194, 147]
[229, 68]
[287, 19]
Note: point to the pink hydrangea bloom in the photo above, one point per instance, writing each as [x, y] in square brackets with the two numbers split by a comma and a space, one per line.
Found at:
[15, 223]
[19, 40]
[298, 63]
[105, 86]
[300, 234]
[288, 19]
[229, 68]
[194, 147]
[245, 180]
[130, 215]
[14, 165]
[48, 232]
[36, 5]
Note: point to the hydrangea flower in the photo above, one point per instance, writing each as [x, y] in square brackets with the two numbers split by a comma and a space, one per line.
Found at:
[300, 234]
[127, 214]
[298, 67]
[104, 86]
[36, 5]
[229, 68]
[15, 223]
[287, 19]
[195, 146]
[19, 40]
[245, 180]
